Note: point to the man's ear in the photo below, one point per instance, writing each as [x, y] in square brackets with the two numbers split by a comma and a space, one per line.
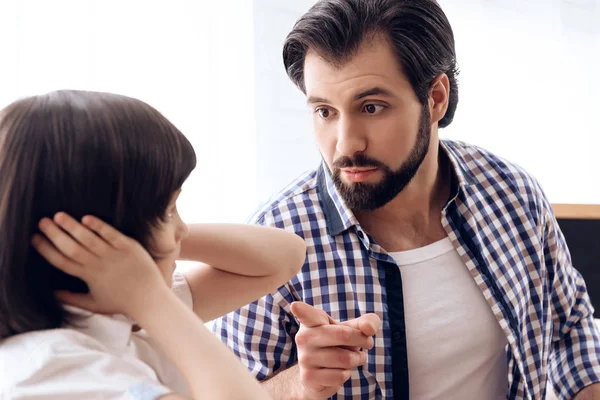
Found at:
[439, 91]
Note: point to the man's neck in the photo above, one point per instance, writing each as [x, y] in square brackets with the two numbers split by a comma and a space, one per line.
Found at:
[413, 218]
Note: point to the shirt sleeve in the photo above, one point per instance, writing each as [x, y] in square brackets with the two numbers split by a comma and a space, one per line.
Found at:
[72, 370]
[146, 391]
[181, 289]
[575, 358]
[261, 334]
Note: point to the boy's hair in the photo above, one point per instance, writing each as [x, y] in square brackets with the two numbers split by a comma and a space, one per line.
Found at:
[79, 152]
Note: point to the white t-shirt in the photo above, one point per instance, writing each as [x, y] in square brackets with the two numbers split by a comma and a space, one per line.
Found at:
[456, 348]
[100, 359]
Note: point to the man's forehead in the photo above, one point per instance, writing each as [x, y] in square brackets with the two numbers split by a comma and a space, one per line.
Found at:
[364, 71]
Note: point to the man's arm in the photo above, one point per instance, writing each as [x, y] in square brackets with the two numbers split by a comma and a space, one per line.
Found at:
[269, 319]
[285, 385]
[575, 359]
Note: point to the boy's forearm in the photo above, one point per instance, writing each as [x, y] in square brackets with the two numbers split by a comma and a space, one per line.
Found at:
[206, 363]
[242, 249]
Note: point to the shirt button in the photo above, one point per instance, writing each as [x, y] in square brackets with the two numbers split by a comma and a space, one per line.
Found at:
[397, 336]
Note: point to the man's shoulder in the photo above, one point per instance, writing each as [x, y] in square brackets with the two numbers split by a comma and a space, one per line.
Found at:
[494, 178]
[298, 197]
[485, 168]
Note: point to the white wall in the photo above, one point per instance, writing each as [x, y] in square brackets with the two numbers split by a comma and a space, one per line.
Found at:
[529, 88]
[285, 146]
[529, 91]
[181, 56]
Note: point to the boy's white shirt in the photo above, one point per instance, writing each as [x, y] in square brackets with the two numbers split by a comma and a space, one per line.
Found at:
[101, 358]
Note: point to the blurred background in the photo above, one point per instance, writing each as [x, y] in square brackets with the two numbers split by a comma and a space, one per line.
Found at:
[529, 87]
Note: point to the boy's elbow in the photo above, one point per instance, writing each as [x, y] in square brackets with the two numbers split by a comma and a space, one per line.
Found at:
[300, 253]
[296, 255]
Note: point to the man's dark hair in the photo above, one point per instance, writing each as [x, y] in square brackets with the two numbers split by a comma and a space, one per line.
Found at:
[82, 153]
[417, 30]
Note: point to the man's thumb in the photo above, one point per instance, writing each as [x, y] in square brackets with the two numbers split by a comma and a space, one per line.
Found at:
[369, 324]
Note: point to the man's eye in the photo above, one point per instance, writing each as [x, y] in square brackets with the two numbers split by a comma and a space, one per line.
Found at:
[373, 109]
[323, 112]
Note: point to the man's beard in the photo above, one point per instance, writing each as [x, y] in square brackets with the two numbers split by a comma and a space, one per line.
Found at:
[367, 196]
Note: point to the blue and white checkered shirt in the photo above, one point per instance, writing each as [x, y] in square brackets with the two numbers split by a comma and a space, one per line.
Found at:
[502, 226]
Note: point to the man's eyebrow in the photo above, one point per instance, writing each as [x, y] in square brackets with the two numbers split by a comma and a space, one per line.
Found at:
[373, 92]
[313, 100]
[370, 92]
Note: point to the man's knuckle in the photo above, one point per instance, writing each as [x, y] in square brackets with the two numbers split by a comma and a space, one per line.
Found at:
[344, 334]
[307, 375]
[303, 357]
[342, 376]
[344, 358]
[302, 339]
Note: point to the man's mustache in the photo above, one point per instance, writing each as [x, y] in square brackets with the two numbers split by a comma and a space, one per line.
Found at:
[360, 160]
